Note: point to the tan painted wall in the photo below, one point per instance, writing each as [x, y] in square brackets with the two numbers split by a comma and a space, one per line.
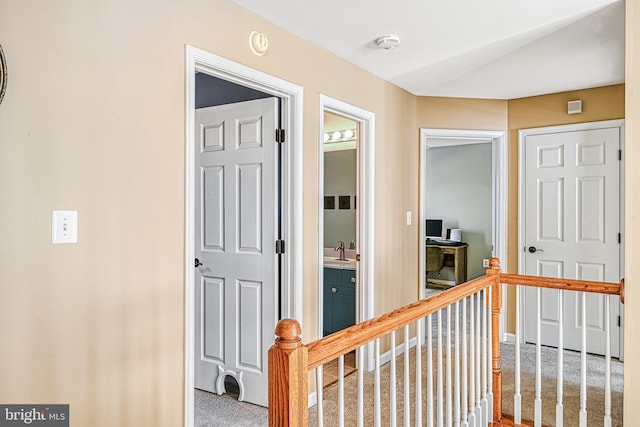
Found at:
[93, 120]
[632, 222]
[603, 103]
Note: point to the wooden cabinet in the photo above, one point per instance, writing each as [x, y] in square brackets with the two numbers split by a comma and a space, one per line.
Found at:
[339, 309]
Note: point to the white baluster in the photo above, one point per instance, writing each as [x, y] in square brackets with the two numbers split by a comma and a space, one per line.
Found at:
[449, 415]
[560, 375]
[517, 397]
[341, 390]
[472, 363]
[419, 373]
[456, 372]
[392, 382]
[537, 412]
[439, 414]
[361, 386]
[607, 361]
[319, 388]
[484, 404]
[490, 357]
[429, 372]
[376, 385]
[465, 397]
[583, 364]
[407, 379]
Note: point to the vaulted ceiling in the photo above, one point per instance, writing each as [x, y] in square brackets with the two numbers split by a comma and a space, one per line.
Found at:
[501, 49]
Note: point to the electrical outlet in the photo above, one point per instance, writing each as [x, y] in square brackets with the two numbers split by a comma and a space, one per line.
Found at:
[485, 263]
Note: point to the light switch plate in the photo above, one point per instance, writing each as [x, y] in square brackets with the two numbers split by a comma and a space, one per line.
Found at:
[64, 227]
[408, 217]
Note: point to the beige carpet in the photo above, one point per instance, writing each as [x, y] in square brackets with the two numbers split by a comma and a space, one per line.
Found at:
[595, 392]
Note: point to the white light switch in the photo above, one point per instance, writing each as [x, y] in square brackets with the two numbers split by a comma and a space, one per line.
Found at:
[408, 217]
[64, 227]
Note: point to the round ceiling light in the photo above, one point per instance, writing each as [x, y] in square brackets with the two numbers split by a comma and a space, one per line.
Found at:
[390, 41]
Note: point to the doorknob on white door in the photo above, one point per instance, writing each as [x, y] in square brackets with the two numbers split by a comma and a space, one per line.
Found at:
[198, 263]
[533, 249]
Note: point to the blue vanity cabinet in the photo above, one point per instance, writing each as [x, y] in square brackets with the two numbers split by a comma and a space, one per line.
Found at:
[339, 293]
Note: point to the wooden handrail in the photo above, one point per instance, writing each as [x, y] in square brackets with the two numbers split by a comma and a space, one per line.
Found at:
[563, 284]
[328, 348]
[290, 361]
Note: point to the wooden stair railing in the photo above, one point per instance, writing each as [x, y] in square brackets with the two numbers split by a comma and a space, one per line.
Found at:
[290, 360]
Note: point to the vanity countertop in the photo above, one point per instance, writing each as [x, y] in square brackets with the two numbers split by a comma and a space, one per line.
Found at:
[333, 262]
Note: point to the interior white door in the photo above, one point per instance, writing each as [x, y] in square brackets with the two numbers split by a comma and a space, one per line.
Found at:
[236, 212]
[572, 226]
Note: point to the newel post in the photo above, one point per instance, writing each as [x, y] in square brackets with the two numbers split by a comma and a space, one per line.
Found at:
[496, 299]
[288, 377]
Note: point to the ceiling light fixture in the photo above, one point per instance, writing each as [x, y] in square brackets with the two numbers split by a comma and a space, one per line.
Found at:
[390, 41]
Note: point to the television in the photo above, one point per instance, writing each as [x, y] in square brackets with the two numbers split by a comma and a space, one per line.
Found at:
[434, 228]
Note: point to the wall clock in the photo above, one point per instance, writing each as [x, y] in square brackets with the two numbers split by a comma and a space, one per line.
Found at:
[3, 74]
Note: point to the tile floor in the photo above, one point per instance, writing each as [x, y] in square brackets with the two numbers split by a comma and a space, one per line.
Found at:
[330, 372]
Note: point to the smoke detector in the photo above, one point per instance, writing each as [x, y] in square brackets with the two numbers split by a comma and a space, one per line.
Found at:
[390, 41]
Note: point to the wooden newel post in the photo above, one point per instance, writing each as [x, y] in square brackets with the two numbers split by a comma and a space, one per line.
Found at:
[288, 377]
[496, 300]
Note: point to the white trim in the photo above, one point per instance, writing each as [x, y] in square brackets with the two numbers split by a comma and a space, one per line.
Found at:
[522, 135]
[312, 399]
[366, 200]
[499, 181]
[292, 102]
[509, 338]
[386, 357]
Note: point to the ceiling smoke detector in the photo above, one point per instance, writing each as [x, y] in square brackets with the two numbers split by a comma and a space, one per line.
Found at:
[390, 41]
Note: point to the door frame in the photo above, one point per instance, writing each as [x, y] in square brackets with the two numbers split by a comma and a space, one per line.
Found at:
[291, 113]
[366, 153]
[499, 169]
[522, 136]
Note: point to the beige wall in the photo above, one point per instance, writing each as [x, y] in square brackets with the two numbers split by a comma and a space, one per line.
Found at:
[632, 207]
[603, 103]
[93, 120]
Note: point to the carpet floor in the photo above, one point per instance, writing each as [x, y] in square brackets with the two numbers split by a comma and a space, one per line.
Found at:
[214, 410]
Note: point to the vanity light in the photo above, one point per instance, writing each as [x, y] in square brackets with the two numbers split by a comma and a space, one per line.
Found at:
[336, 135]
[326, 137]
[349, 133]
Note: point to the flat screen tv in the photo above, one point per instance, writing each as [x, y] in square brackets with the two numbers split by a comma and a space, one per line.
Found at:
[434, 228]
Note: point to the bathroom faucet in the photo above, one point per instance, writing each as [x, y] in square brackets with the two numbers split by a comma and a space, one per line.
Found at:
[340, 248]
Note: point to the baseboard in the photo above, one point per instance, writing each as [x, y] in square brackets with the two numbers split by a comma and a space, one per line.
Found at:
[441, 282]
[386, 357]
[312, 399]
[508, 337]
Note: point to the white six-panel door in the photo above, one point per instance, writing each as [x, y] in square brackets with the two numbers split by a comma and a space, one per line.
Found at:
[235, 231]
[572, 221]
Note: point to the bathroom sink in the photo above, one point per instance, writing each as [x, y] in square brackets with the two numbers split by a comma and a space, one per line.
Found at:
[337, 263]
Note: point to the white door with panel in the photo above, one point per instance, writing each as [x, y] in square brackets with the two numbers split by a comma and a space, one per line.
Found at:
[236, 221]
[572, 226]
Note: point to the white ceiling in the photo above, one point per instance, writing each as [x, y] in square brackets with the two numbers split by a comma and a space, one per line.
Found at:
[502, 49]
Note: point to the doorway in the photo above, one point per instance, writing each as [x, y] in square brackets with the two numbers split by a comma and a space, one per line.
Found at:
[448, 139]
[290, 200]
[357, 204]
[571, 226]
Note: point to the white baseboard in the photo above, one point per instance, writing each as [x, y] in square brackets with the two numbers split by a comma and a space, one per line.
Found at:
[386, 357]
[312, 399]
[508, 337]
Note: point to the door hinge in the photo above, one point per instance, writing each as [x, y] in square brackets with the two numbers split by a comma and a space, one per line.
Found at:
[280, 135]
[619, 154]
[279, 246]
[619, 238]
[619, 321]
[357, 257]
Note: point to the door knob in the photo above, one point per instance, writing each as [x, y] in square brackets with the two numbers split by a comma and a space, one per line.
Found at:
[198, 263]
[334, 290]
[533, 250]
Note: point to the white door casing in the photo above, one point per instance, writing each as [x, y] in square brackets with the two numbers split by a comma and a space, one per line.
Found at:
[571, 216]
[235, 227]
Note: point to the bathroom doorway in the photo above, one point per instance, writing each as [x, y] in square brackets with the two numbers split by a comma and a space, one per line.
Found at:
[345, 184]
